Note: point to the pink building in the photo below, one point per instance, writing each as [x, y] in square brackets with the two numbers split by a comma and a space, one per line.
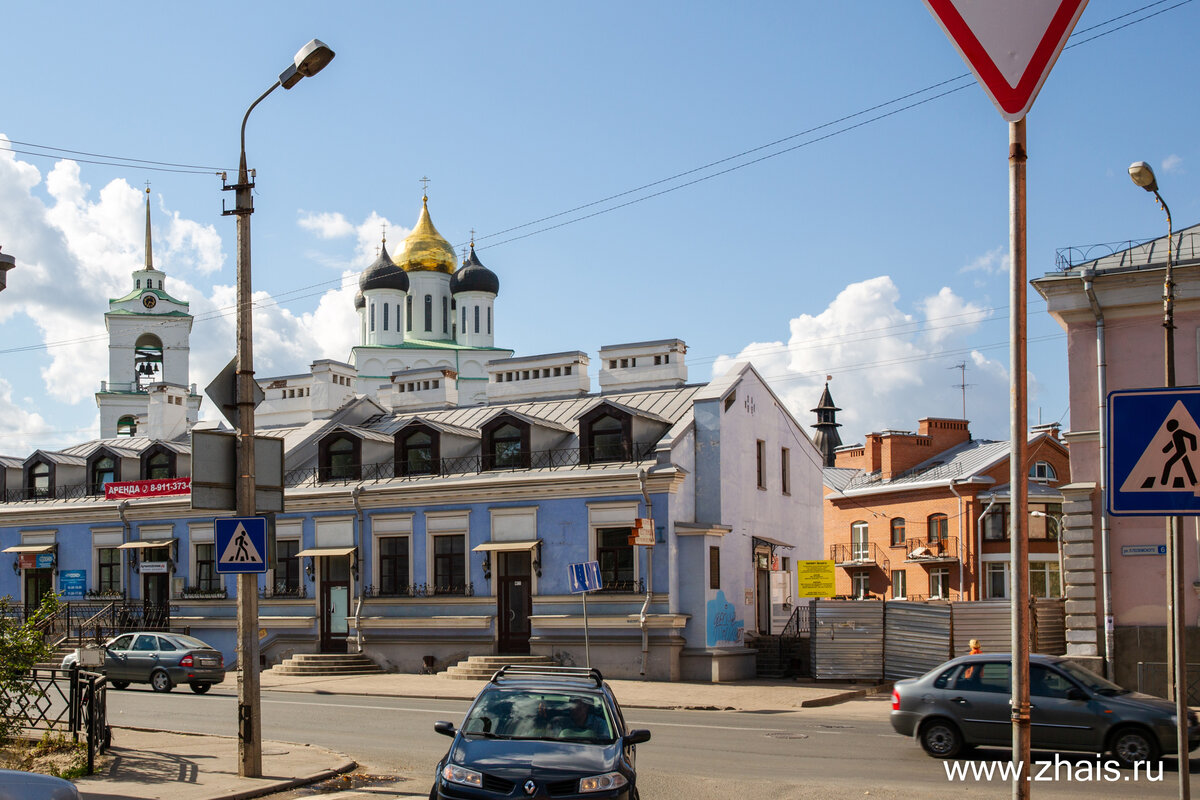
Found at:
[1112, 309]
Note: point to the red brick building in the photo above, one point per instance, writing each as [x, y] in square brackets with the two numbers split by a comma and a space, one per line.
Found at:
[924, 515]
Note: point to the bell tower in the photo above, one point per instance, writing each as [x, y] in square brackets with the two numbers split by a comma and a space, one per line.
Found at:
[148, 332]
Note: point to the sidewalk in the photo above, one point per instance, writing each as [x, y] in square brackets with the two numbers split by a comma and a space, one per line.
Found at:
[149, 765]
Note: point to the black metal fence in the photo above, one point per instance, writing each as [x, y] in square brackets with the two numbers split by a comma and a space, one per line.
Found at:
[61, 700]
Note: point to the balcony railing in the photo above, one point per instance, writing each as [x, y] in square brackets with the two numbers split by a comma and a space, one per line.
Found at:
[924, 551]
[866, 554]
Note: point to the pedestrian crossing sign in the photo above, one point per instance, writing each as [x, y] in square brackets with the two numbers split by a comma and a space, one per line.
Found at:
[1153, 460]
[241, 544]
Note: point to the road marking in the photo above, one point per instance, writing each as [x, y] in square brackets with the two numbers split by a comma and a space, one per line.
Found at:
[370, 708]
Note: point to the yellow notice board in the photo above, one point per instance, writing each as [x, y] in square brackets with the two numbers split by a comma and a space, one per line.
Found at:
[815, 579]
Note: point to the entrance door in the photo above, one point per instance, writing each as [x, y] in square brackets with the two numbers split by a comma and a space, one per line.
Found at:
[37, 583]
[763, 597]
[514, 601]
[156, 601]
[335, 603]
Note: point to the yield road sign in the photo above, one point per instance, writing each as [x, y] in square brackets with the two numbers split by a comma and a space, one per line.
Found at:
[584, 577]
[241, 544]
[1153, 464]
[1010, 45]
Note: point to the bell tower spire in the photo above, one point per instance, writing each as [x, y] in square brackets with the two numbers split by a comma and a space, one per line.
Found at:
[149, 250]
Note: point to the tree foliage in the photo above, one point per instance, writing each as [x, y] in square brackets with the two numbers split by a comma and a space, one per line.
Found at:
[22, 645]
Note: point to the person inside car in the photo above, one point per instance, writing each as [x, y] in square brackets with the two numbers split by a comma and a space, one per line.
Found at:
[581, 724]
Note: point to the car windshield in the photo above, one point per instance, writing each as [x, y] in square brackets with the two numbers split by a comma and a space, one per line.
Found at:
[540, 714]
[1091, 680]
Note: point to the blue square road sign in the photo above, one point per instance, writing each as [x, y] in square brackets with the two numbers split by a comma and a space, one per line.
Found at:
[1153, 462]
[241, 544]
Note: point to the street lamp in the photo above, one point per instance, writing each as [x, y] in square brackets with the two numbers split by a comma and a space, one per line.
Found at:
[310, 60]
[1142, 175]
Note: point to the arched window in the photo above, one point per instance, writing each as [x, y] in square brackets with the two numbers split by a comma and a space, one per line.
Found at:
[408, 312]
[126, 426]
[417, 452]
[464, 322]
[477, 319]
[897, 531]
[429, 312]
[103, 471]
[859, 541]
[939, 527]
[489, 321]
[445, 314]
[1043, 472]
[147, 361]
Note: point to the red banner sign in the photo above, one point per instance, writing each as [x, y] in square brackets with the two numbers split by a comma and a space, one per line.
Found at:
[131, 490]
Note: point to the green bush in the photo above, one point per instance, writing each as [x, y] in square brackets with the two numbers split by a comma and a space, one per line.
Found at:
[22, 644]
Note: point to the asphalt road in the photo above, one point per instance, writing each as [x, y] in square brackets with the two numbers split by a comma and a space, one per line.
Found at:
[847, 750]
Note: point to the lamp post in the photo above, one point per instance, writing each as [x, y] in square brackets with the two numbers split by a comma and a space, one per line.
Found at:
[310, 60]
[1142, 175]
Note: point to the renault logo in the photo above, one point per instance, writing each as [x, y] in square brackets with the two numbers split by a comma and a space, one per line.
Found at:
[530, 787]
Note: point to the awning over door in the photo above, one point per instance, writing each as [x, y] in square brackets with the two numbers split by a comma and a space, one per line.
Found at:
[772, 542]
[29, 548]
[146, 544]
[489, 547]
[326, 551]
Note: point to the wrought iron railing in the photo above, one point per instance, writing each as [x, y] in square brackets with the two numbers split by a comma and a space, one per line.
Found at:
[421, 590]
[1133, 254]
[298, 592]
[866, 554]
[797, 624]
[68, 700]
[931, 549]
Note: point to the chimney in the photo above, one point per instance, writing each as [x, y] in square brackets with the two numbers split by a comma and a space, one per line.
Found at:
[538, 377]
[167, 416]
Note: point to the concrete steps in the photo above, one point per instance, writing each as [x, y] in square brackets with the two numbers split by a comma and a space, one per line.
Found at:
[327, 665]
[481, 668]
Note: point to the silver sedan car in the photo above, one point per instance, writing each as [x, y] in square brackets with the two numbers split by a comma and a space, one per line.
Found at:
[17, 785]
[965, 702]
[163, 660]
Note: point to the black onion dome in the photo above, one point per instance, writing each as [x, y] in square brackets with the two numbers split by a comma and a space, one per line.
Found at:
[359, 300]
[383, 274]
[473, 276]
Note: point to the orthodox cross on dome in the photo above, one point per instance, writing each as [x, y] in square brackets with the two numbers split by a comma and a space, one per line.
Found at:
[384, 227]
[472, 238]
[425, 186]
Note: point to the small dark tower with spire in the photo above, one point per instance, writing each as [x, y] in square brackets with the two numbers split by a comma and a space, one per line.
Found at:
[826, 438]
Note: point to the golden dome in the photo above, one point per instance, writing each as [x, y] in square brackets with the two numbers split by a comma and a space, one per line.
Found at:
[424, 249]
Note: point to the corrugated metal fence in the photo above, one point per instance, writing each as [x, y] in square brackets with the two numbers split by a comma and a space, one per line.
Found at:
[873, 639]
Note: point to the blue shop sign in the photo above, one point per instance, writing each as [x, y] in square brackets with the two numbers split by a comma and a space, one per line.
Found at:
[72, 582]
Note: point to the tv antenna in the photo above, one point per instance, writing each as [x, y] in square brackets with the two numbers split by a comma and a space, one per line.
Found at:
[962, 384]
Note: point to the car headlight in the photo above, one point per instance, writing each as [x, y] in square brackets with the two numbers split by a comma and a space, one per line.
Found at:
[457, 774]
[602, 783]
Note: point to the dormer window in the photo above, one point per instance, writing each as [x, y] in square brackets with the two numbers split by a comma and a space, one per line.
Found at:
[417, 451]
[505, 444]
[158, 463]
[1043, 472]
[39, 480]
[102, 469]
[605, 434]
[340, 457]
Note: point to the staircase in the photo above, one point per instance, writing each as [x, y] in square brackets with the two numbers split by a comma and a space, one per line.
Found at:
[327, 665]
[65, 648]
[481, 668]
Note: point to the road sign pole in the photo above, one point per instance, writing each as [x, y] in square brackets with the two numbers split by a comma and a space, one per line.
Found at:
[1018, 471]
[587, 645]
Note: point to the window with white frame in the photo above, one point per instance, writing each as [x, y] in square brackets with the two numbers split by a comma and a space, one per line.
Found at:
[939, 583]
[205, 561]
[995, 580]
[1045, 580]
[1043, 472]
[611, 525]
[860, 584]
[108, 564]
[446, 552]
[859, 549]
[899, 583]
[393, 566]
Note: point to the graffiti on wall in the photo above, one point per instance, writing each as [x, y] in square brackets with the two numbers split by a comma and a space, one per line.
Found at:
[724, 627]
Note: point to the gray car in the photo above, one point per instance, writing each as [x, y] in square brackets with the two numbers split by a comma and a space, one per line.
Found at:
[18, 785]
[965, 702]
[163, 660]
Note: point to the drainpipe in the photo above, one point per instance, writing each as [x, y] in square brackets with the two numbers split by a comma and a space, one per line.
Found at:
[961, 534]
[1102, 410]
[649, 577]
[355, 493]
[979, 549]
[122, 507]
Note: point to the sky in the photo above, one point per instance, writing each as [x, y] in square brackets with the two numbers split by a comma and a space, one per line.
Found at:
[820, 188]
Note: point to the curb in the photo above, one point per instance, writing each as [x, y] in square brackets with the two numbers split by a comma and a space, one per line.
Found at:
[854, 694]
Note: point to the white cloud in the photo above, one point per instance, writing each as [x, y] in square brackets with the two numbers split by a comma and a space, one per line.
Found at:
[993, 262]
[25, 430]
[326, 225]
[1172, 164]
[890, 367]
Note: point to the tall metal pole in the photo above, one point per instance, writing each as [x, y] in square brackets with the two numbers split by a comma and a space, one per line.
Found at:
[1018, 477]
[249, 687]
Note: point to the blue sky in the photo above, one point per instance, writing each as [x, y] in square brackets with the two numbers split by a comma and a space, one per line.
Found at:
[820, 187]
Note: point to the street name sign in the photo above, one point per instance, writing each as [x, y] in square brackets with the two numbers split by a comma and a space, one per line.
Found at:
[1144, 550]
[241, 544]
[1153, 463]
[1010, 45]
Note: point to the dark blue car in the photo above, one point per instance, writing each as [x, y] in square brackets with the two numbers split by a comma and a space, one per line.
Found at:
[540, 732]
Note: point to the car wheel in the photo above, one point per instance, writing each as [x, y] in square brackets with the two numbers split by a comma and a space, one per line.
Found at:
[940, 738]
[1133, 745]
[160, 681]
[119, 684]
[200, 688]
